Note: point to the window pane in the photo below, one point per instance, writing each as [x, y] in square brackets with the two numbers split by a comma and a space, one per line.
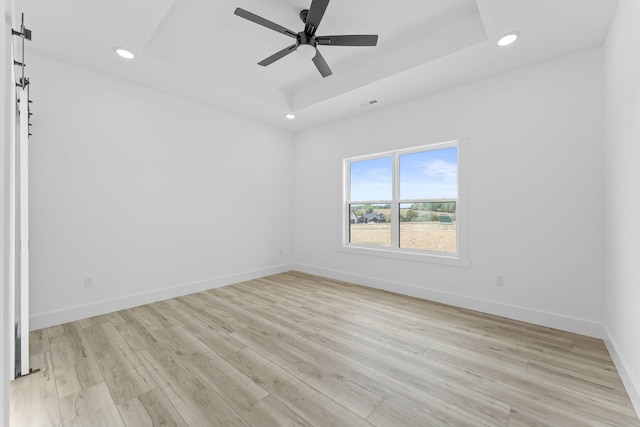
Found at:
[369, 224]
[428, 226]
[429, 174]
[371, 179]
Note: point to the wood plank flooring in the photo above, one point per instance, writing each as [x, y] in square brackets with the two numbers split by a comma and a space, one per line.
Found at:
[300, 350]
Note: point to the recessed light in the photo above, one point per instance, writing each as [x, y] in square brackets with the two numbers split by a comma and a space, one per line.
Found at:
[508, 39]
[290, 116]
[125, 53]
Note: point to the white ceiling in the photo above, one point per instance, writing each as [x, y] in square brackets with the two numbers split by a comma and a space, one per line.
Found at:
[199, 50]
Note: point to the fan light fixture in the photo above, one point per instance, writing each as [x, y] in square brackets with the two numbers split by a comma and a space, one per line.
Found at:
[125, 53]
[306, 51]
[290, 116]
[508, 39]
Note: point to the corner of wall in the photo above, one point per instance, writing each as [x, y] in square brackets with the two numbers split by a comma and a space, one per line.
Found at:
[621, 108]
[631, 384]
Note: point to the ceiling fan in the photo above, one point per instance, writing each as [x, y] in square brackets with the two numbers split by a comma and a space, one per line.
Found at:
[306, 40]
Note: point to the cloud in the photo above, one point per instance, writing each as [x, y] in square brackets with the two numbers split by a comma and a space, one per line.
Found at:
[440, 169]
[380, 174]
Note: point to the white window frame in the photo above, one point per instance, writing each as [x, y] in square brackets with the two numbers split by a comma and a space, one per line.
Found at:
[460, 258]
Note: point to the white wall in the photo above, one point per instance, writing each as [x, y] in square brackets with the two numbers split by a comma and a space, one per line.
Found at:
[535, 186]
[151, 195]
[622, 201]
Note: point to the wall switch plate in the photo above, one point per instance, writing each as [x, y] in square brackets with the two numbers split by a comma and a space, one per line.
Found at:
[500, 280]
[88, 281]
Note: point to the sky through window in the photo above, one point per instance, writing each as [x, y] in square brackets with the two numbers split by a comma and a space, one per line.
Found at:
[429, 174]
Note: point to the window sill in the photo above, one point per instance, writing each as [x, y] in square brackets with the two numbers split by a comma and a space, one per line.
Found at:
[453, 260]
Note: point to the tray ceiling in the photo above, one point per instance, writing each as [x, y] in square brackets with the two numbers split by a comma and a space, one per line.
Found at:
[199, 50]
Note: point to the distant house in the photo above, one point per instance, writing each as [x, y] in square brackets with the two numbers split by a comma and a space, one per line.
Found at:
[375, 217]
[355, 219]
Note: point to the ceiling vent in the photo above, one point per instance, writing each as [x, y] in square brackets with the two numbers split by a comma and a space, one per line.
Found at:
[366, 104]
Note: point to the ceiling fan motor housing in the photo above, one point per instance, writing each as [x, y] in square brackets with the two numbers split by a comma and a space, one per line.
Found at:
[306, 46]
[303, 38]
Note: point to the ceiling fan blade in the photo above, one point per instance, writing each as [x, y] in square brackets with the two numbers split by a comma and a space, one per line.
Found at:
[316, 12]
[321, 64]
[355, 40]
[278, 55]
[264, 22]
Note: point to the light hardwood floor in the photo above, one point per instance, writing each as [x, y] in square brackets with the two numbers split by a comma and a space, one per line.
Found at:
[301, 350]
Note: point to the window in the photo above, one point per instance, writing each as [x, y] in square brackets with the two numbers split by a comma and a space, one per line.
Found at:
[406, 204]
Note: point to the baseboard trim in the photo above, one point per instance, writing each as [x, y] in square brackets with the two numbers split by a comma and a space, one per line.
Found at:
[524, 314]
[70, 314]
[631, 384]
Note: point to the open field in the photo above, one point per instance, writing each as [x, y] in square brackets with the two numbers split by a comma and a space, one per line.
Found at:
[431, 236]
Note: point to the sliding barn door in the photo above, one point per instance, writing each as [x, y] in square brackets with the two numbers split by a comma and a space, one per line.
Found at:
[23, 208]
[19, 209]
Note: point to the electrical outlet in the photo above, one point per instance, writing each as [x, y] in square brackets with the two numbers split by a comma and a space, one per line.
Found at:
[88, 281]
[281, 252]
[500, 280]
